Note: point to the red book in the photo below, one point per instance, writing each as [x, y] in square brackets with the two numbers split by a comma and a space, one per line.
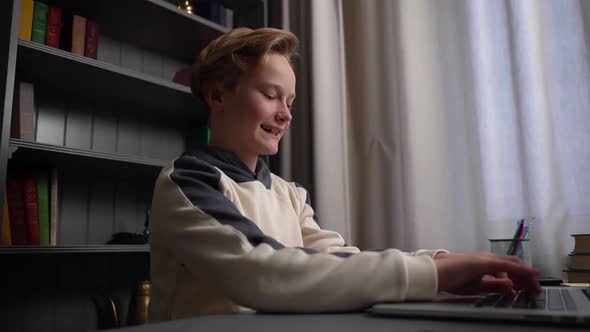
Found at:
[183, 76]
[53, 26]
[91, 42]
[31, 208]
[16, 209]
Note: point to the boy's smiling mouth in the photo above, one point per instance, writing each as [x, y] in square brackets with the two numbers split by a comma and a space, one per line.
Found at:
[271, 130]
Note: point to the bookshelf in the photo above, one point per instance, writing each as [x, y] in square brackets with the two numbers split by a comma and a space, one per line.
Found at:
[50, 66]
[94, 156]
[107, 125]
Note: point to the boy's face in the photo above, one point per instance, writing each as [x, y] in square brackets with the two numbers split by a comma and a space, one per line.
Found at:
[257, 112]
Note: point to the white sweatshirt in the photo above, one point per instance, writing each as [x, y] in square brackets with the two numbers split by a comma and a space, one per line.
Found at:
[224, 239]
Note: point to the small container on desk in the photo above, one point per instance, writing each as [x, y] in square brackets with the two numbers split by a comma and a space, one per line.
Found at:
[522, 250]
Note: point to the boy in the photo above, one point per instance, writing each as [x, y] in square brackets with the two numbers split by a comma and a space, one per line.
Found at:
[227, 235]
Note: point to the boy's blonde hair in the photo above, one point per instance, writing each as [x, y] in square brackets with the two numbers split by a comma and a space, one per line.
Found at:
[226, 58]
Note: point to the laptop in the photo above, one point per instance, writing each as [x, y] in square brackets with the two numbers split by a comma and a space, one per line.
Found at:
[568, 305]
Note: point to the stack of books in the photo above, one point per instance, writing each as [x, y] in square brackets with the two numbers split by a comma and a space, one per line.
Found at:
[30, 207]
[58, 28]
[579, 260]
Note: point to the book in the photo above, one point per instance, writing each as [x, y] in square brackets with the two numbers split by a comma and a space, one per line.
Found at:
[183, 76]
[578, 275]
[42, 179]
[53, 26]
[579, 261]
[22, 125]
[39, 22]
[6, 239]
[26, 19]
[16, 209]
[31, 208]
[581, 243]
[78, 34]
[91, 39]
[53, 207]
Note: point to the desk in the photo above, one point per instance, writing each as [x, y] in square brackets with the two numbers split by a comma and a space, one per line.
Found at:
[331, 322]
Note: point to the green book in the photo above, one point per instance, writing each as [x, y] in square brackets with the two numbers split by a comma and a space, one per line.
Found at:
[39, 22]
[43, 207]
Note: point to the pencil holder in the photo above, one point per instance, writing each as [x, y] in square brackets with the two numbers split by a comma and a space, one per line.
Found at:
[520, 248]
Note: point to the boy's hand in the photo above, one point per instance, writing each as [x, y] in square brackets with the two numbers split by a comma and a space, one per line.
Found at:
[484, 272]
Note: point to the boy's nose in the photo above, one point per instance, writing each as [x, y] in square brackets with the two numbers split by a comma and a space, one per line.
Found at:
[284, 115]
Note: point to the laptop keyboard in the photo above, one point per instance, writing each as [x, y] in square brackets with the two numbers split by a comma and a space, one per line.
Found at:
[549, 298]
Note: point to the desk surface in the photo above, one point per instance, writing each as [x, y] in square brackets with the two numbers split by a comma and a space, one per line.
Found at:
[331, 322]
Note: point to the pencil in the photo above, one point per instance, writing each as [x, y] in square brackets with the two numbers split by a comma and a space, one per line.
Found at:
[517, 233]
[516, 241]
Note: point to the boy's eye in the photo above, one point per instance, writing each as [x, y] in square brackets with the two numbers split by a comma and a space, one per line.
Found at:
[268, 95]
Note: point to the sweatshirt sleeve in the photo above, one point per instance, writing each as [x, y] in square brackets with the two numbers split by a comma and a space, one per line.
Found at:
[206, 232]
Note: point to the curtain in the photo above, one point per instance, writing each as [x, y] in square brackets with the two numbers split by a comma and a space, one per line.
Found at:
[439, 123]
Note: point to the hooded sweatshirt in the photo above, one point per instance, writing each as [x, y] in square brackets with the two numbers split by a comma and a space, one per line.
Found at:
[225, 239]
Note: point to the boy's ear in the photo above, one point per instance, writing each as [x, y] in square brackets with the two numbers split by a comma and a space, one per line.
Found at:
[214, 97]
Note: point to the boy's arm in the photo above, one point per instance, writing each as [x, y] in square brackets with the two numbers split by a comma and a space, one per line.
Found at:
[207, 235]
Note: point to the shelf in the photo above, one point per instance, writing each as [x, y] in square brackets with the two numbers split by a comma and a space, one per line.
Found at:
[154, 25]
[75, 249]
[56, 68]
[20, 144]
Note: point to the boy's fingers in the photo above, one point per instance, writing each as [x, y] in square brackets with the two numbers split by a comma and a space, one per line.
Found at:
[491, 284]
[520, 273]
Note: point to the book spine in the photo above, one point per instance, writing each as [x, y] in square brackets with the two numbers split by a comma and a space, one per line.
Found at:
[53, 26]
[6, 239]
[16, 209]
[91, 41]
[31, 209]
[581, 243]
[26, 19]
[39, 22]
[579, 261]
[53, 206]
[183, 76]
[43, 207]
[78, 34]
[578, 276]
[23, 112]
